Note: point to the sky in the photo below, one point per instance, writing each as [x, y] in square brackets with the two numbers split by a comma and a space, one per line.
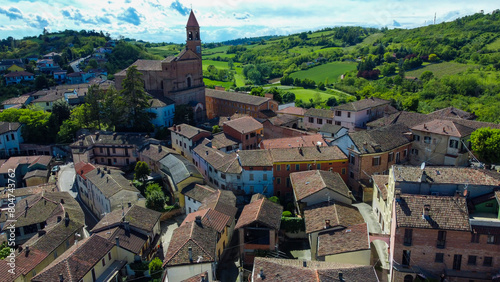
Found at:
[220, 20]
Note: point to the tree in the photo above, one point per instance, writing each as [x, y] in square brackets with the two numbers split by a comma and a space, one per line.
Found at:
[61, 111]
[411, 104]
[155, 266]
[230, 64]
[426, 76]
[142, 171]
[331, 102]
[156, 201]
[216, 129]
[321, 86]
[184, 114]
[136, 99]
[114, 109]
[41, 82]
[275, 199]
[486, 144]
[151, 187]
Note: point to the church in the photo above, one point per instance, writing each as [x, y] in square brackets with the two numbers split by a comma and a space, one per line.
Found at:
[178, 78]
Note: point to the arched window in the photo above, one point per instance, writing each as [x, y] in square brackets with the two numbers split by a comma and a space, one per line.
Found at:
[408, 278]
[197, 36]
[188, 81]
[190, 35]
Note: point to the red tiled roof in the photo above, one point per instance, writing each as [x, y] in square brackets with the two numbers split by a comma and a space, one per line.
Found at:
[82, 168]
[339, 214]
[294, 142]
[192, 22]
[307, 183]
[211, 218]
[19, 73]
[381, 182]
[444, 127]
[445, 212]
[350, 239]
[244, 124]
[263, 212]
[293, 111]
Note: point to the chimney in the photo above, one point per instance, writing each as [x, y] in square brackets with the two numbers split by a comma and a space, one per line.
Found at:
[114, 135]
[66, 218]
[129, 204]
[107, 179]
[204, 278]
[304, 263]
[457, 194]
[425, 211]
[341, 276]
[117, 241]
[61, 277]
[96, 135]
[261, 274]
[198, 220]
[425, 126]
[98, 170]
[175, 127]
[159, 148]
[179, 128]
[59, 218]
[300, 151]
[26, 253]
[62, 201]
[26, 207]
[444, 130]
[190, 253]
[41, 232]
[327, 223]
[126, 225]
[206, 152]
[397, 193]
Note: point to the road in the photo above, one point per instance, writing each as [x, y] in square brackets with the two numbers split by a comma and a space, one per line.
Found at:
[66, 182]
[75, 63]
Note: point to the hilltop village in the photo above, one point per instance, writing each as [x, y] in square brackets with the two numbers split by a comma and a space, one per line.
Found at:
[241, 187]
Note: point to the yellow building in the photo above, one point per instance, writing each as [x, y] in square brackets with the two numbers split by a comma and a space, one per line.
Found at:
[14, 68]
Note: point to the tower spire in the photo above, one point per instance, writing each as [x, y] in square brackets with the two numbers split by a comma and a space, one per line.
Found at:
[193, 41]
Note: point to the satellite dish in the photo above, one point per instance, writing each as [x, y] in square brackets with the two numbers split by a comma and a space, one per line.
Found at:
[422, 166]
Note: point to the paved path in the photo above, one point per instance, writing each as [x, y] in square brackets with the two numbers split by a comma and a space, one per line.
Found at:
[167, 229]
[373, 227]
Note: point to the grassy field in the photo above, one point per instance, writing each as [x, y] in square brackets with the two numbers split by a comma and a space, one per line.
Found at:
[440, 69]
[367, 41]
[165, 51]
[330, 71]
[209, 82]
[306, 94]
[495, 45]
[240, 79]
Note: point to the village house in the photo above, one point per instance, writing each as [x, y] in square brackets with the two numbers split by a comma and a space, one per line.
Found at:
[18, 77]
[152, 155]
[324, 221]
[444, 142]
[431, 180]
[280, 127]
[134, 228]
[164, 109]
[258, 227]
[439, 236]
[286, 161]
[257, 172]
[46, 102]
[316, 186]
[333, 131]
[179, 78]
[194, 195]
[294, 111]
[108, 190]
[20, 167]
[294, 142]
[185, 137]
[17, 102]
[373, 152]
[355, 115]
[109, 148]
[316, 118]
[191, 251]
[91, 259]
[19, 194]
[48, 224]
[222, 103]
[219, 169]
[277, 270]
[7, 63]
[10, 138]
[225, 143]
[246, 130]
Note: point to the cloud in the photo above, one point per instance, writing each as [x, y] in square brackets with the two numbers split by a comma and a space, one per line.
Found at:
[241, 16]
[38, 22]
[12, 13]
[78, 17]
[183, 10]
[131, 16]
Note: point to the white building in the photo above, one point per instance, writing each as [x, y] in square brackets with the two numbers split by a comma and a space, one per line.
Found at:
[185, 137]
[357, 114]
[10, 138]
[164, 109]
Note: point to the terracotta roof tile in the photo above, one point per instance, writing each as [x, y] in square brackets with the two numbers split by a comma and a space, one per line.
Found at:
[76, 262]
[18, 73]
[444, 127]
[293, 111]
[222, 140]
[198, 192]
[339, 214]
[244, 124]
[110, 183]
[226, 163]
[16, 100]
[201, 239]
[294, 270]
[442, 174]
[156, 152]
[445, 212]
[236, 97]
[209, 217]
[223, 201]
[313, 112]
[83, 168]
[307, 183]
[187, 130]
[263, 212]
[350, 239]
[255, 158]
[294, 142]
[381, 139]
[137, 216]
[308, 154]
[362, 104]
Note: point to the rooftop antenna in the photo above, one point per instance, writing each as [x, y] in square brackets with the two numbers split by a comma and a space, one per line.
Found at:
[422, 166]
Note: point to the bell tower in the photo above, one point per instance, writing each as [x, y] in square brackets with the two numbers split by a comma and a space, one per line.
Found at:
[193, 41]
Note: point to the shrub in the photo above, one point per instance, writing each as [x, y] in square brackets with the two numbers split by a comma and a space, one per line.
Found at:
[287, 214]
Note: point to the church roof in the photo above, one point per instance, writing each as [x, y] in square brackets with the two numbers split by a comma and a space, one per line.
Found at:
[192, 20]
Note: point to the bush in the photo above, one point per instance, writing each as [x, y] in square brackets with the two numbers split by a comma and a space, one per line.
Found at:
[155, 266]
[287, 214]
[275, 199]
[292, 224]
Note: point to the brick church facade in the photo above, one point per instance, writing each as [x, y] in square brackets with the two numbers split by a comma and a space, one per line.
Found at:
[180, 77]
